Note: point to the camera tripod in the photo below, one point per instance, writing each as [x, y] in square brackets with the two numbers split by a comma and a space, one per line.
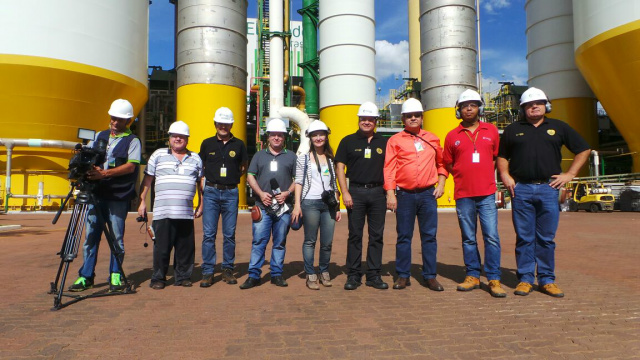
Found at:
[71, 243]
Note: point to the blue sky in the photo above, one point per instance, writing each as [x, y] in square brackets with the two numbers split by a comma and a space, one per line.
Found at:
[503, 40]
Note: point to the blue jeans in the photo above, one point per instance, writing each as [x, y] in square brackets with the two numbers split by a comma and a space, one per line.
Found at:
[262, 230]
[469, 209]
[219, 203]
[424, 206]
[316, 216]
[114, 214]
[535, 219]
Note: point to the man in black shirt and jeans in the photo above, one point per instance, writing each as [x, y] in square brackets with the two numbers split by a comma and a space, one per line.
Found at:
[363, 155]
[225, 160]
[529, 163]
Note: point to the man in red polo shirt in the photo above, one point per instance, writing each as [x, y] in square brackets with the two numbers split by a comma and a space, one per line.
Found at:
[414, 178]
[470, 151]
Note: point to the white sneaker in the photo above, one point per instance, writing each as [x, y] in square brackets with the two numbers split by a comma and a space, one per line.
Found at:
[325, 279]
[312, 282]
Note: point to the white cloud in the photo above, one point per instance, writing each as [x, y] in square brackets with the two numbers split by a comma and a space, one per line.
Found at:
[391, 59]
[492, 6]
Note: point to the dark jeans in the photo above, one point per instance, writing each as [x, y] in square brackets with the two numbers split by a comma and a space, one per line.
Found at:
[170, 233]
[422, 205]
[369, 204]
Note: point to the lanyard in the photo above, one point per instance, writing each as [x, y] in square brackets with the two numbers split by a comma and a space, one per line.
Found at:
[472, 140]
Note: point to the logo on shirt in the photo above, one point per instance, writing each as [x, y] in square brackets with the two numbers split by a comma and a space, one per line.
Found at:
[486, 138]
[379, 151]
[551, 132]
[457, 143]
[232, 153]
[520, 134]
[212, 153]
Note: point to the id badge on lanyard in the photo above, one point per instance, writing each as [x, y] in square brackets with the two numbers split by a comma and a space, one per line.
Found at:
[367, 153]
[223, 171]
[273, 166]
[475, 158]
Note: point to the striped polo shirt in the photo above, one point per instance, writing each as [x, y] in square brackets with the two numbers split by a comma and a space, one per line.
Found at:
[175, 183]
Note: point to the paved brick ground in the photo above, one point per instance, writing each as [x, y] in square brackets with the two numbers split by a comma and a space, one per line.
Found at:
[597, 267]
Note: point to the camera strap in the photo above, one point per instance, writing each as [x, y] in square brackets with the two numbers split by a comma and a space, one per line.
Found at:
[320, 171]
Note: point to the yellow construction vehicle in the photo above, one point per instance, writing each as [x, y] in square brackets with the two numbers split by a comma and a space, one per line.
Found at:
[592, 197]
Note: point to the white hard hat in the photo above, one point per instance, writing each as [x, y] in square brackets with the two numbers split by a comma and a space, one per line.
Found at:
[469, 95]
[179, 128]
[412, 106]
[223, 116]
[276, 125]
[317, 125]
[532, 94]
[368, 109]
[122, 109]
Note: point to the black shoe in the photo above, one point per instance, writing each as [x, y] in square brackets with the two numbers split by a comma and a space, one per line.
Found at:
[227, 276]
[377, 283]
[251, 282]
[278, 281]
[352, 283]
[185, 283]
[207, 280]
[157, 285]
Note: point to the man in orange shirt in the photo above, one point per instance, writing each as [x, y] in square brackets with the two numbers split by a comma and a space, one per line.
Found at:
[414, 177]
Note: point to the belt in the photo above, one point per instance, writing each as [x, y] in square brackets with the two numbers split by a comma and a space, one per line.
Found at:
[416, 190]
[366, 186]
[220, 186]
[534, 181]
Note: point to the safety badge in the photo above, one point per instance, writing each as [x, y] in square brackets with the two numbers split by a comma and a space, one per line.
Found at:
[232, 153]
[551, 132]
[379, 151]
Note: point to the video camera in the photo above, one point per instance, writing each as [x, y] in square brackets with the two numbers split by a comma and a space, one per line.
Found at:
[86, 157]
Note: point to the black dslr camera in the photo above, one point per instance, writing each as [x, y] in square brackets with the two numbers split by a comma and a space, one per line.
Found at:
[86, 157]
[329, 198]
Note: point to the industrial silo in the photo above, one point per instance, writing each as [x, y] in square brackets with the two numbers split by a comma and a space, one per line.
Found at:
[448, 62]
[347, 56]
[62, 64]
[606, 38]
[211, 65]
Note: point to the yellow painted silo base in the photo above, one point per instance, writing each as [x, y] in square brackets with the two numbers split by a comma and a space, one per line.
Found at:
[343, 121]
[580, 114]
[440, 122]
[197, 104]
[609, 63]
[44, 98]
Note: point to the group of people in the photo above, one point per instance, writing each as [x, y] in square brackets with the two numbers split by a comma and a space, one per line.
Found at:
[405, 173]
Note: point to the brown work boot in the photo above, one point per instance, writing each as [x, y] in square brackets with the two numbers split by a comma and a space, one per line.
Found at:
[496, 290]
[552, 290]
[227, 276]
[523, 289]
[312, 282]
[469, 283]
[325, 279]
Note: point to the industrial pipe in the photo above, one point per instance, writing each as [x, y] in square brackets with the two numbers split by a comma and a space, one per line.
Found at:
[11, 143]
[276, 47]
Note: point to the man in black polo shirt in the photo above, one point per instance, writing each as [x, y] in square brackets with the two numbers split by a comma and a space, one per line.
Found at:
[225, 160]
[363, 155]
[529, 163]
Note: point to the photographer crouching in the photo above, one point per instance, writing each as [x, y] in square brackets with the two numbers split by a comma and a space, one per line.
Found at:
[115, 187]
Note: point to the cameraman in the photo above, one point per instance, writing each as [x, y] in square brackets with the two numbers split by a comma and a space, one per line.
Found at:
[115, 187]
